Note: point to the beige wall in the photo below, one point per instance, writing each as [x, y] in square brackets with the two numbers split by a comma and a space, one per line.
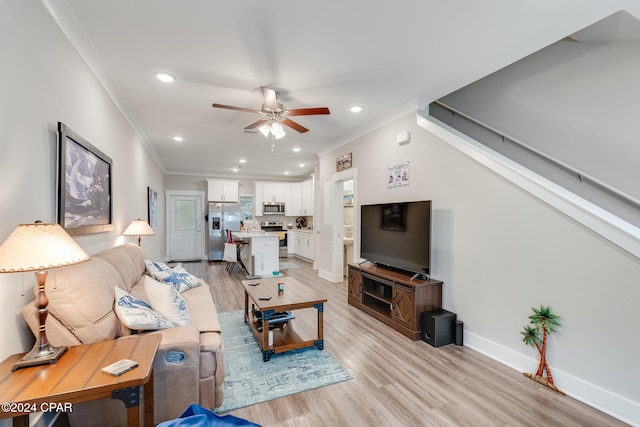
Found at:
[500, 251]
[45, 81]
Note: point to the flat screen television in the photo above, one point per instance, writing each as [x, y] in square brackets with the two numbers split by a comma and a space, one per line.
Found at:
[397, 235]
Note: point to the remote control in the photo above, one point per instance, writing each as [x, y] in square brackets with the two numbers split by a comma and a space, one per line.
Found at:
[265, 298]
[120, 367]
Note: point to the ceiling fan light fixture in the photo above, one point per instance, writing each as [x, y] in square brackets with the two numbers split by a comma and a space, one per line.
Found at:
[265, 129]
[277, 130]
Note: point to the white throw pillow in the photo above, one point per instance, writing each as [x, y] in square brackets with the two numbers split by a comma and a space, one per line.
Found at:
[179, 278]
[155, 266]
[166, 301]
[137, 314]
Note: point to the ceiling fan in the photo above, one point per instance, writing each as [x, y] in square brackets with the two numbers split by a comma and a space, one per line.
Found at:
[275, 115]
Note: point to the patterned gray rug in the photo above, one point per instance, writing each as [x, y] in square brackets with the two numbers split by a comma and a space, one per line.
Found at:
[250, 381]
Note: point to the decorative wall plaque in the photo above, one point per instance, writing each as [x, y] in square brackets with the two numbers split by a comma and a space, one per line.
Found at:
[343, 162]
[398, 175]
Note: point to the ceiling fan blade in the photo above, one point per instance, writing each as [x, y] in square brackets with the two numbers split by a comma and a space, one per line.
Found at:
[308, 111]
[293, 125]
[230, 107]
[270, 97]
[257, 124]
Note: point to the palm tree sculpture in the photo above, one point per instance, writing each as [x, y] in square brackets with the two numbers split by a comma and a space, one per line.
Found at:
[546, 322]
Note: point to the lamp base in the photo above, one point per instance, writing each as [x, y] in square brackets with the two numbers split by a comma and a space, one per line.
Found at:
[40, 356]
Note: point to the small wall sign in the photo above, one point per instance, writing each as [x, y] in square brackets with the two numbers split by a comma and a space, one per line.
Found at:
[398, 175]
[343, 162]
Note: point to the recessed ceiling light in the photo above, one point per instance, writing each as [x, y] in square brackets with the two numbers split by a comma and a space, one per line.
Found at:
[164, 77]
[178, 138]
[356, 109]
[243, 161]
[286, 172]
[296, 149]
[234, 169]
[301, 165]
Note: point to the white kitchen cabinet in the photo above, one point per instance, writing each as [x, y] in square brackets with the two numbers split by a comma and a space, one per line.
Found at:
[302, 244]
[223, 191]
[271, 192]
[294, 206]
[298, 197]
[308, 198]
[292, 240]
[302, 199]
[274, 192]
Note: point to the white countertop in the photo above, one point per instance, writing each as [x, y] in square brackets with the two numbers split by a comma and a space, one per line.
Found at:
[302, 230]
[252, 235]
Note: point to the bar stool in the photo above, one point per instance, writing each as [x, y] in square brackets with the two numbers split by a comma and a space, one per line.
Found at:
[240, 244]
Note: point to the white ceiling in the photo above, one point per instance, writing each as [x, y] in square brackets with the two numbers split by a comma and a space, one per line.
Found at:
[385, 56]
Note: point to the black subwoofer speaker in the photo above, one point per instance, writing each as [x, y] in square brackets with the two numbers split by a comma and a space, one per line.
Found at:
[438, 327]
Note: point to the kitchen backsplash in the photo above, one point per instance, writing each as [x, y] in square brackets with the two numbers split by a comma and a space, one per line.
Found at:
[286, 220]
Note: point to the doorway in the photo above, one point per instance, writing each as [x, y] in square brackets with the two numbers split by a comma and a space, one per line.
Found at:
[185, 233]
[344, 203]
[348, 215]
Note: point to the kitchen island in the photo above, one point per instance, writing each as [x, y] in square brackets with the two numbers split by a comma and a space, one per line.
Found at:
[260, 255]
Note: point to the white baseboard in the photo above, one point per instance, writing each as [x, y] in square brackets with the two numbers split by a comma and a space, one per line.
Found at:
[326, 275]
[603, 400]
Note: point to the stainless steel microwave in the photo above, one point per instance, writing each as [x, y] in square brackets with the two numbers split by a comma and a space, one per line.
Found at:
[273, 208]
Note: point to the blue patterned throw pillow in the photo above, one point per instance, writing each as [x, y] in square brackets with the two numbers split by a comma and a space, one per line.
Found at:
[137, 314]
[155, 266]
[179, 278]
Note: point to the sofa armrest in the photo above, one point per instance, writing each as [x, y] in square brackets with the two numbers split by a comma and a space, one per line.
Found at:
[212, 360]
[182, 339]
[176, 371]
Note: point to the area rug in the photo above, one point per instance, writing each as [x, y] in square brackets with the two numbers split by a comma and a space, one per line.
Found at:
[249, 380]
[285, 265]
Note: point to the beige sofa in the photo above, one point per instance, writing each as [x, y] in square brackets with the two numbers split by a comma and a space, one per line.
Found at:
[81, 310]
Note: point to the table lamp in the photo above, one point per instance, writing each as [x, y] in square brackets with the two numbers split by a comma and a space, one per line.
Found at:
[39, 247]
[139, 227]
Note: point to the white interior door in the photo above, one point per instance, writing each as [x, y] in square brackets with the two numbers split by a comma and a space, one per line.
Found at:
[185, 217]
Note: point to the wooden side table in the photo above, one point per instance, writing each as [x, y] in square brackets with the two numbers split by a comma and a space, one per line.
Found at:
[78, 377]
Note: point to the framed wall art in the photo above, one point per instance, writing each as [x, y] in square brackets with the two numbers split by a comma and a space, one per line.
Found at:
[343, 162]
[398, 175]
[152, 201]
[84, 185]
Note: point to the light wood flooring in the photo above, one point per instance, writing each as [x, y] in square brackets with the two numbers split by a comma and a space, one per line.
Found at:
[397, 381]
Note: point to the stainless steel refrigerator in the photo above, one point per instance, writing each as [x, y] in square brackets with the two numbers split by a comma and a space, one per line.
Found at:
[222, 217]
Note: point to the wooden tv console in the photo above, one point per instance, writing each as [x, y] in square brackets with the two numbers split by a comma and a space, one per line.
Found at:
[392, 297]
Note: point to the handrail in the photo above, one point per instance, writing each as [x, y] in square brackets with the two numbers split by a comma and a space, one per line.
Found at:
[582, 177]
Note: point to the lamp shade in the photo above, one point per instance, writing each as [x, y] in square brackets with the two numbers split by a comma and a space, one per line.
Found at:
[139, 227]
[272, 128]
[39, 246]
[265, 129]
[277, 130]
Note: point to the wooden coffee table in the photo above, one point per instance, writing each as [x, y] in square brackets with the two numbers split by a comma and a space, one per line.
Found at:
[77, 377]
[296, 296]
